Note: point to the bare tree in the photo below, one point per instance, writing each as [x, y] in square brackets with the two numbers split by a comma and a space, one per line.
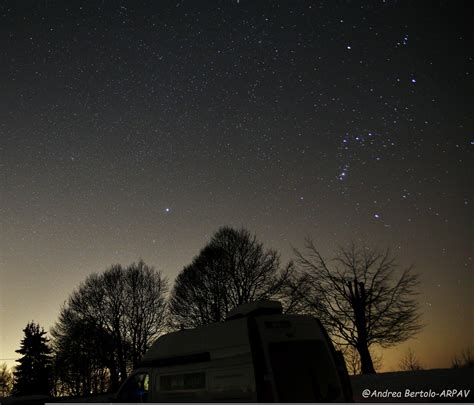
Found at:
[232, 269]
[199, 294]
[122, 310]
[464, 359]
[360, 299]
[83, 356]
[145, 308]
[352, 359]
[410, 361]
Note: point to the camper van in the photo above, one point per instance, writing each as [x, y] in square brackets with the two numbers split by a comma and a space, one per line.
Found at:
[258, 354]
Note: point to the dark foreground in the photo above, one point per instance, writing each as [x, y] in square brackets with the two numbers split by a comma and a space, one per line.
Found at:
[439, 385]
[443, 385]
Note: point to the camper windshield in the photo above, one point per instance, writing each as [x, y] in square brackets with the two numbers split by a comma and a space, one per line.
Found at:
[135, 389]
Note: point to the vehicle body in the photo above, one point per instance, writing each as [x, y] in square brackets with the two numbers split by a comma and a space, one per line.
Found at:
[257, 355]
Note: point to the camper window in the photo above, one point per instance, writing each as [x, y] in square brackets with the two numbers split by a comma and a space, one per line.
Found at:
[179, 382]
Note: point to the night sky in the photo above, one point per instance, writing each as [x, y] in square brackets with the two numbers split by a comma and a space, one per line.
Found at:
[134, 129]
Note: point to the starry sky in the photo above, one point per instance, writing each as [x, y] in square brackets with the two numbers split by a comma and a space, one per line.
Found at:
[135, 129]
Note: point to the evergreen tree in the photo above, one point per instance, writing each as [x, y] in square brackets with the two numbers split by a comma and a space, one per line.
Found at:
[34, 373]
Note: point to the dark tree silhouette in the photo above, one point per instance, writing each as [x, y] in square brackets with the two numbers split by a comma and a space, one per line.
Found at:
[360, 299]
[83, 356]
[352, 359]
[464, 359]
[114, 317]
[410, 361]
[33, 375]
[232, 269]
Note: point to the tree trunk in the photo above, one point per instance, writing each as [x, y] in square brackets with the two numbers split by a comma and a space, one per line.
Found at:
[367, 367]
[358, 301]
[114, 380]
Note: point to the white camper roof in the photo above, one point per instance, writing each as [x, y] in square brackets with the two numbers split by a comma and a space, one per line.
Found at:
[213, 339]
[267, 307]
[220, 339]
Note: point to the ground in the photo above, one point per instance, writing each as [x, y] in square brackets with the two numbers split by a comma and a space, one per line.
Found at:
[439, 385]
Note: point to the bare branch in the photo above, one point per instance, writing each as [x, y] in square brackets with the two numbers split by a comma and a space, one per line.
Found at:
[360, 298]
